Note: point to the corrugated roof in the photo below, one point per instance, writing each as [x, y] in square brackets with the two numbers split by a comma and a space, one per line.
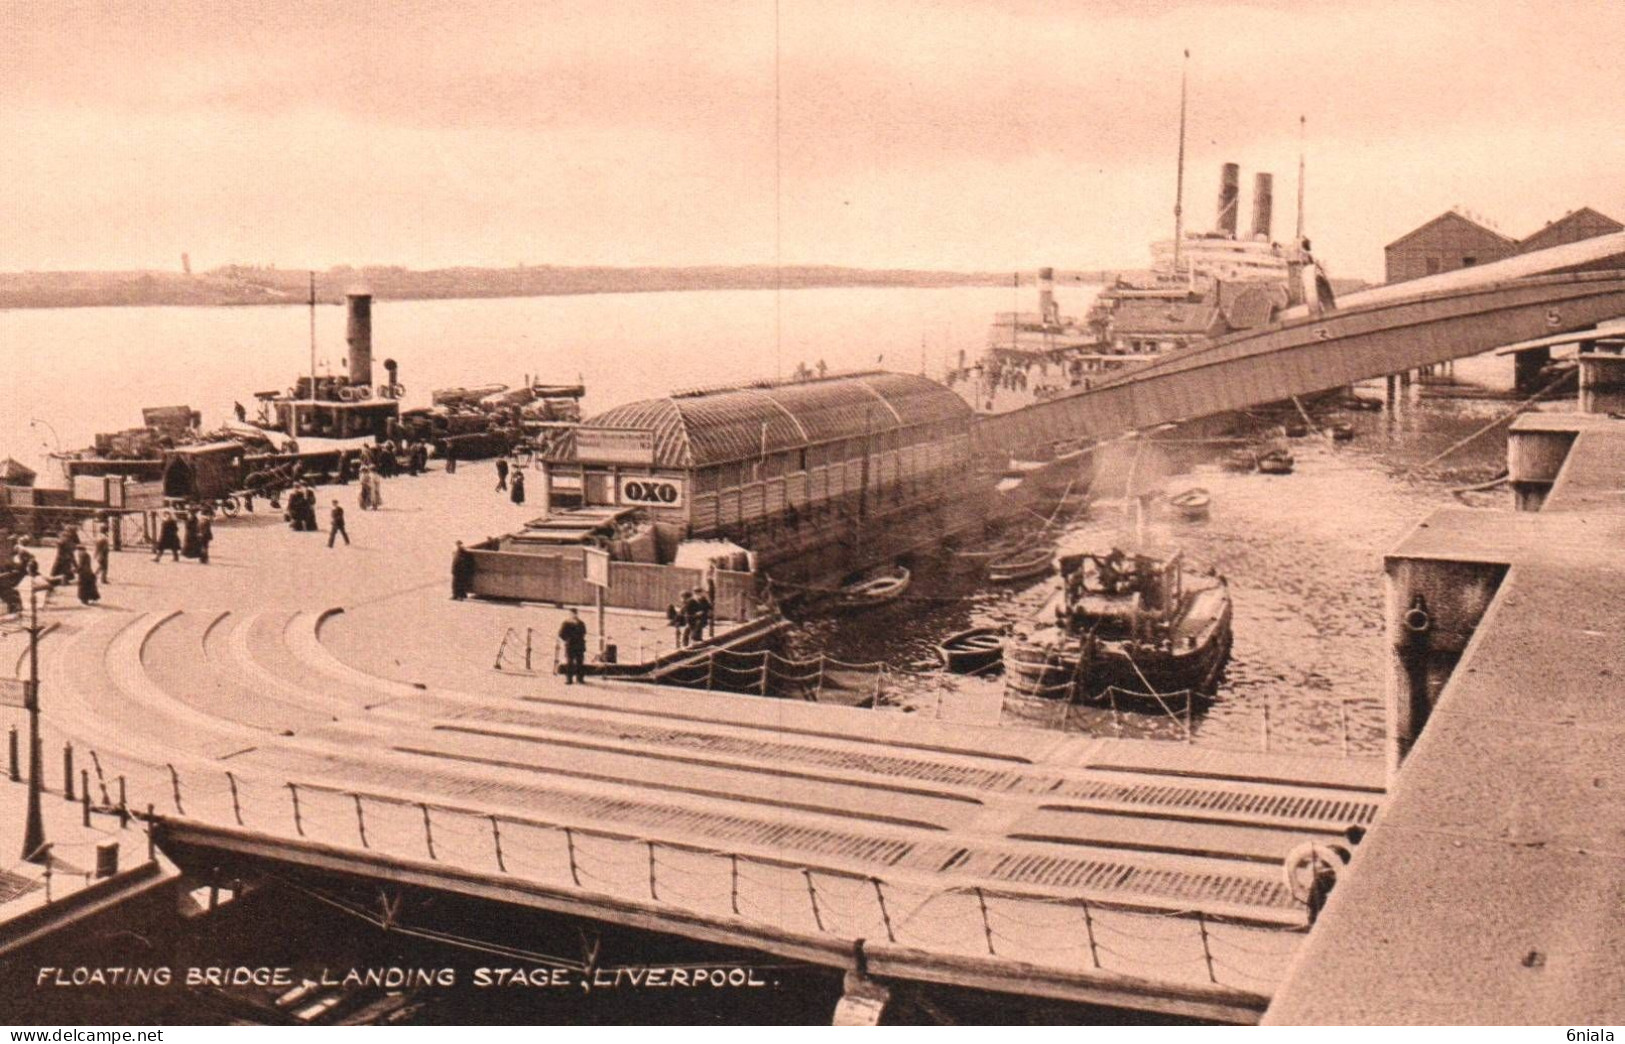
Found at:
[1451, 217]
[1158, 317]
[1572, 227]
[732, 424]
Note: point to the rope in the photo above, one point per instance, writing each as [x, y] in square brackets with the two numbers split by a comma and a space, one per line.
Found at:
[1492, 425]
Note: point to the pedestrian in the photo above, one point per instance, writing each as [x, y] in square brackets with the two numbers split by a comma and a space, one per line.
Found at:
[462, 572]
[364, 494]
[502, 474]
[336, 528]
[516, 492]
[573, 633]
[702, 606]
[205, 537]
[377, 489]
[451, 457]
[679, 626]
[89, 593]
[690, 612]
[189, 543]
[169, 538]
[104, 551]
[66, 545]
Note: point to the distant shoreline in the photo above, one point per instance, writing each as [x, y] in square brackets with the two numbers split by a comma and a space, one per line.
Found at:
[242, 286]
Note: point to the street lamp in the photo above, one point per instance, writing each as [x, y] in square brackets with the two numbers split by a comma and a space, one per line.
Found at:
[55, 438]
[34, 847]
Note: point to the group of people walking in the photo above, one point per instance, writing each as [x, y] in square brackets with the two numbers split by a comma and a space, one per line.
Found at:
[76, 562]
[186, 533]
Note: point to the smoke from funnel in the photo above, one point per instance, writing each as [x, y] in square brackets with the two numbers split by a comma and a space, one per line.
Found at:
[1229, 197]
[1263, 203]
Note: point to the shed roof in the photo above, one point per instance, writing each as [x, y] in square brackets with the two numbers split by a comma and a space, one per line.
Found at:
[1571, 227]
[1451, 217]
[718, 426]
[1165, 317]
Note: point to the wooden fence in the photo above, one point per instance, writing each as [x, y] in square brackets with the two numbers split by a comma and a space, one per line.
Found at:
[632, 585]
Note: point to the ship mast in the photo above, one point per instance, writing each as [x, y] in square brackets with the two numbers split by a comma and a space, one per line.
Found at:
[312, 335]
[1300, 181]
[1179, 184]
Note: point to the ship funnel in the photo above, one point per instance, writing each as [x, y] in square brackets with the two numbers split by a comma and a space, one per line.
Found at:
[1263, 202]
[1046, 296]
[358, 333]
[1229, 197]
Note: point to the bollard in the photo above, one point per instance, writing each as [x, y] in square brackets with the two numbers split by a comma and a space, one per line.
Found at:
[67, 772]
[16, 764]
[107, 859]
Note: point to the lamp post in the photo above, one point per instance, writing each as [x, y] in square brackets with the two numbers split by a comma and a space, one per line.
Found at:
[34, 847]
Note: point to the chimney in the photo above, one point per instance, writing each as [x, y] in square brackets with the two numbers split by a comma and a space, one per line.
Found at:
[1263, 200]
[358, 332]
[1046, 296]
[1229, 197]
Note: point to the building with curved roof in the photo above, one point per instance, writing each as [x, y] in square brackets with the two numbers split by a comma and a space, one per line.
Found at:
[772, 461]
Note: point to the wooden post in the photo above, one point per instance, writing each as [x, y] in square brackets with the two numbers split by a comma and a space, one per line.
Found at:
[236, 805]
[653, 894]
[812, 894]
[1266, 725]
[298, 821]
[123, 805]
[67, 771]
[16, 763]
[84, 793]
[598, 601]
[428, 831]
[885, 915]
[734, 892]
[1207, 950]
[1089, 930]
[529, 634]
[1343, 718]
[987, 924]
[496, 839]
[175, 783]
[360, 821]
[570, 845]
[152, 841]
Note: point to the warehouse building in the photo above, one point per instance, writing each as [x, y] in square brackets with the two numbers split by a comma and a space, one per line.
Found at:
[1452, 240]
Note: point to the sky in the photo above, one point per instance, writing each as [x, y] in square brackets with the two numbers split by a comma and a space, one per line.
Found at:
[995, 135]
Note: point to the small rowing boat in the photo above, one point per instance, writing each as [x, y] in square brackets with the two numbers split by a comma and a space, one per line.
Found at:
[1192, 504]
[1021, 565]
[972, 651]
[874, 590]
[1240, 460]
[1275, 462]
[1342, 431]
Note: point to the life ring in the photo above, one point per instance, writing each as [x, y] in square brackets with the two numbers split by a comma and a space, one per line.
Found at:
[397, 391]
[1417, 620]
[361, 392]
[346, 394]
[1299, 867]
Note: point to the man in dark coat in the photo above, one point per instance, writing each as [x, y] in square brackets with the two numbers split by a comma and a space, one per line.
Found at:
[189, 544]
[517, 492]
[89, 593]
[502, 474]
[336, 529]
[205, 537]
[573, 633]
[687, 615]
[169, 538]
[66, 545]
[462, 572]
[451, 457]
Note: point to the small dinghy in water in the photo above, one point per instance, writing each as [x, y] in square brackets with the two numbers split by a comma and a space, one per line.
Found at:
[874, 590]
[1021, 565]
[1192, 505]
[972, 651]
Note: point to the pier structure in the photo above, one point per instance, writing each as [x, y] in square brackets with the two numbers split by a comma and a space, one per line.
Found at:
[1489, 891]
[291, 709]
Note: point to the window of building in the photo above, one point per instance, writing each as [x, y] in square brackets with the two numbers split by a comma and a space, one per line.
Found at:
[1468, 262]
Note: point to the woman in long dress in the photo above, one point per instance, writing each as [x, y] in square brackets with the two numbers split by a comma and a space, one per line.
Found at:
[377, 490]
[89, 593]
[516, 491]
[365, 494]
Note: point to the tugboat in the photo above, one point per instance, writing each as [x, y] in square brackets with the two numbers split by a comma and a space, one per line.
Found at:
[1142, 626]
